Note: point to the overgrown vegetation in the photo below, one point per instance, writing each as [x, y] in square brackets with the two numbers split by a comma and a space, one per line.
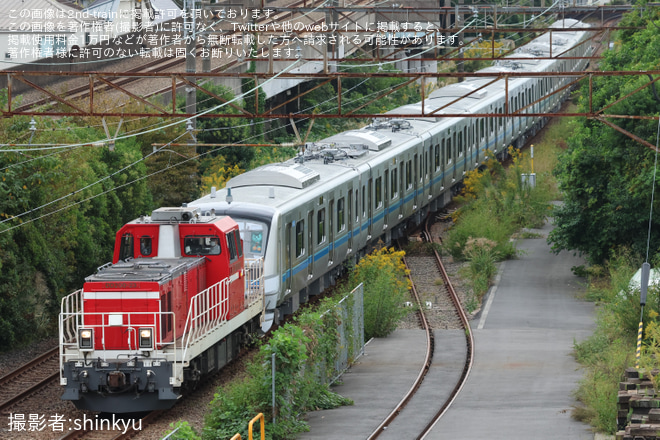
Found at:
[611, 348]
[495, 204]
[386, 288]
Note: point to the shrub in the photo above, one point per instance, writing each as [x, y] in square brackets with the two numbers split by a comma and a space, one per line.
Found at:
[385, 290]
[305, 354]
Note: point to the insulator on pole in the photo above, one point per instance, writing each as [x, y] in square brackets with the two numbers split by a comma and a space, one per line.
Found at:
[644, 283]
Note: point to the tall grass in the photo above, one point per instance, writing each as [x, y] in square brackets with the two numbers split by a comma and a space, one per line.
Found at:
[611, 348]
[495, 204]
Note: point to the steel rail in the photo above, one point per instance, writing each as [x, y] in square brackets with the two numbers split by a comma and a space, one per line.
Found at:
[422, 372]
[469, 339]
[20, 371]
[429, 353]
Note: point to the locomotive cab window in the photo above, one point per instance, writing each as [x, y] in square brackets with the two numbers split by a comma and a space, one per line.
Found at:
[232, 246]
[239, 247]
[201, 245]
[126, 247]
[146, 246]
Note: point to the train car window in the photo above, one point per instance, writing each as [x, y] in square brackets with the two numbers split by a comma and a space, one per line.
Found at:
[409, 177]
[253, 233]
[379, 192]
[300, 238]
[386, 185]
[239, 248]
[341, 219]
[146, 247]
[429, 165]
[320, 226]
[201, 245]
[364, 203]
[349, 199]
[448, 150]
[436, 157]
[482, 129]
[394, 183]
[357, 206]
[126, 247]
[460, 144]
[287, 247]
[370, 194]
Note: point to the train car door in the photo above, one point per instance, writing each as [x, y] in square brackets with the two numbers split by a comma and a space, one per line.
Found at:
[288, 257]
[415, 178]
[349, 202]
[166, 315]
[386, 199]
[402, 193]
[331, 232]
[312, 247]
[370, 213]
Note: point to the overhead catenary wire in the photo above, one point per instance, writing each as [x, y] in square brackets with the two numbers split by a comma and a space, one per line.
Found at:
[126, 136]
[197, 115]
[18, 216]
[169, 166]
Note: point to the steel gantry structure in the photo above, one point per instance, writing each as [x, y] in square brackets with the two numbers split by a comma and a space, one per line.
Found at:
[82, 100]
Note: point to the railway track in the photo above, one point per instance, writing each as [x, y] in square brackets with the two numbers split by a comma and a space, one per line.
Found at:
[29, 378]
[427, 269]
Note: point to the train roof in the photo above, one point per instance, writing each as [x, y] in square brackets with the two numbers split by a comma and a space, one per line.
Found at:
[273, 186]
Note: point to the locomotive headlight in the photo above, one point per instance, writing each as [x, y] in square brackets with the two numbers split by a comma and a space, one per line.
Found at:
[146, 339]
[86, 339]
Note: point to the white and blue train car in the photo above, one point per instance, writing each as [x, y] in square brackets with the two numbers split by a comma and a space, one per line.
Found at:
[310, 215]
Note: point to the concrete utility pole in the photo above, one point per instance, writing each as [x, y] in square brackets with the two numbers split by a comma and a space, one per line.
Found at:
[460, 20]
[189, 33]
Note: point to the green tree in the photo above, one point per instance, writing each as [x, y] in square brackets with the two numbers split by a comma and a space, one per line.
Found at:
[59, 212]
[606, 177]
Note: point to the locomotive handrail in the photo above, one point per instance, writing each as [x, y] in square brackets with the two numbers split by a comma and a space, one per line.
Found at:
[209, 309]
[71, 319]
[68, 326]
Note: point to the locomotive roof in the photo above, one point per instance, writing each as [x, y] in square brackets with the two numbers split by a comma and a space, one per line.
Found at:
[144, 269]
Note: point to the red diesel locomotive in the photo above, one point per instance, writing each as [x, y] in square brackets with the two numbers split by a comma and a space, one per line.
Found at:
[175, 303]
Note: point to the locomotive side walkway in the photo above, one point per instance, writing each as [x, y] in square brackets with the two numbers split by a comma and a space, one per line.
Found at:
[524, 373]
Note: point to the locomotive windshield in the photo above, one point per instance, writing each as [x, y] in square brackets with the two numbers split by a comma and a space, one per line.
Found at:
[253, 234]
[201, 245]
